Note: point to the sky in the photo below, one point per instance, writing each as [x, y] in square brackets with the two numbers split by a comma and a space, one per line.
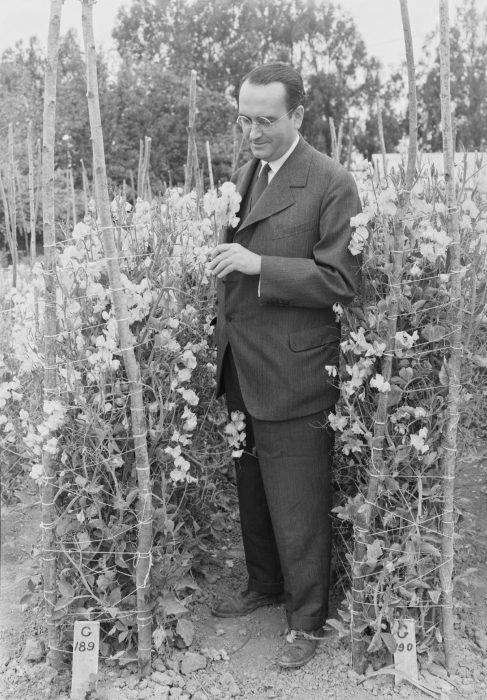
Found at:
[379, 22]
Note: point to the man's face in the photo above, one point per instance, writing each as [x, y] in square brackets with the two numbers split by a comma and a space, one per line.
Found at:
[269, 101]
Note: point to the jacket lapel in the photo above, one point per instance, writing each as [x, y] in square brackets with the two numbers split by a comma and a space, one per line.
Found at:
[279, 193]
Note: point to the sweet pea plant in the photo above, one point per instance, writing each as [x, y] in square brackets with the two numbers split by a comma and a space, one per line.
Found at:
[163, 251]
[394, 555]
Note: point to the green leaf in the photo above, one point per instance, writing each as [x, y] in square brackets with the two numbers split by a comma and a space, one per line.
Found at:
[374, 552]
[115, 596]
[65, 588]
[84, 540]
[433, 333]
[389, 641]
[435, 595]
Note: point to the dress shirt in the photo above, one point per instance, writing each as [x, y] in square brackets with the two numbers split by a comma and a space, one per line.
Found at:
[274, 165]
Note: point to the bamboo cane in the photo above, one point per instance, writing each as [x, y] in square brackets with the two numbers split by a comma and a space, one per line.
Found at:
[339, 141]
[30, 156]
[144, 557]
[71, 193]
[68, 203]
[23, 220]
[350, 143]
[32, 216]
[50, 328]
[12, 196]
[190, 158]
[210, 166]
[381, 136]
[140, 184]
[333, 137]
[6, 209]
[86, 186]
[450, 445]
[378, 467]
[39, 177]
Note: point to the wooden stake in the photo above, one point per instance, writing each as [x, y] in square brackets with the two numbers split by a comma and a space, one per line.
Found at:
[137, 411]
[140, 183]
[210, 166]
[30, 156]
[86, 187]
[12, 196]
[450, 443]
[350, 143]
[191, 159]
[333, 136]
[381, 137]
[49, 479]
[72, 196]
[378, 467]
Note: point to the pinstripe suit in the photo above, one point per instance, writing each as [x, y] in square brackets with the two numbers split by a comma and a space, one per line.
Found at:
[276, 333]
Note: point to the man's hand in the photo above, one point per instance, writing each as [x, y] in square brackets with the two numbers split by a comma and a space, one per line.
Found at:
[232, 257]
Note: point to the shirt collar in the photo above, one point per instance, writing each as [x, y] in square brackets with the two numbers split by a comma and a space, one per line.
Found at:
[276, 164]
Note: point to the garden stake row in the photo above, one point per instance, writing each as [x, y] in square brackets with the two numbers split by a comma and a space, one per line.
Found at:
[49, 477]
[137, 411]
[455, 321]
[379, 468]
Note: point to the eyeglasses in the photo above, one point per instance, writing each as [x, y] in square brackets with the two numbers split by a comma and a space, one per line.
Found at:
[263, 123]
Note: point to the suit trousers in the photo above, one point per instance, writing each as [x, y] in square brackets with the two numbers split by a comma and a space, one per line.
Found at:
[284, 492]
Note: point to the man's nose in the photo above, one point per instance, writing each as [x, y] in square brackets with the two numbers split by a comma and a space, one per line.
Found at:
[253, 128]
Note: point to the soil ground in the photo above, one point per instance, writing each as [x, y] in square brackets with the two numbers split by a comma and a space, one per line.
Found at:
[239, 654]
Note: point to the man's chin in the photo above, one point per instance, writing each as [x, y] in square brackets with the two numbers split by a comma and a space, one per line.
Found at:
[259, 150]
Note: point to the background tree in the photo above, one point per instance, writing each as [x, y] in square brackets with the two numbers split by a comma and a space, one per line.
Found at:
[468, 50]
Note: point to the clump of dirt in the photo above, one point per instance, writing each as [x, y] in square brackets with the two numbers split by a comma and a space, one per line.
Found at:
[236, 657]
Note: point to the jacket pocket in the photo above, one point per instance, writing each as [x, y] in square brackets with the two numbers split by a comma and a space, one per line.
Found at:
[314, 338]
[285, 230]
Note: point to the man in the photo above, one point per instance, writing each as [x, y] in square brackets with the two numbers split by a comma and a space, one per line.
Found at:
[281, 272]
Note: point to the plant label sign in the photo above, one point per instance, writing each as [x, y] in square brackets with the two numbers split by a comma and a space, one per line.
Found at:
[405, 659]
[86, 644]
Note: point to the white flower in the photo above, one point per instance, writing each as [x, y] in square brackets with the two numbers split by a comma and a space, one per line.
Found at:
[37, 471]
[188, 359]
[238, 419]
[432, 243]
[190, 420]
[332, 370]
[361, 219]
[405, 340]
[418, 440]
[184, 375]
[358, 240]
[337, 422]
[338, 309]
[189, 396]
[378, 382]
[387, 203]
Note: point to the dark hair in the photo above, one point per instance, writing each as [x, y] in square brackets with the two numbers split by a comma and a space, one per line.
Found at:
[279, 73]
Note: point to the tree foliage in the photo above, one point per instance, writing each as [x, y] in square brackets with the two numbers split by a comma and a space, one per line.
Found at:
[468, 51]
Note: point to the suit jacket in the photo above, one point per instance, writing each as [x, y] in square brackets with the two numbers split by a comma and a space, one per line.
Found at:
[284, 334]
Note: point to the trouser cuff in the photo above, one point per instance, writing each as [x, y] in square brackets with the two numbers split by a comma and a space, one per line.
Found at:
[304, 623]
[265, 587]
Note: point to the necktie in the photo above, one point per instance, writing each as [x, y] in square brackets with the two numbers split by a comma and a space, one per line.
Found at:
[260, 185]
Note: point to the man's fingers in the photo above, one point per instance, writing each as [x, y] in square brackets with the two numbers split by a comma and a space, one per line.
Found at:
[223, 268]
[219, 259]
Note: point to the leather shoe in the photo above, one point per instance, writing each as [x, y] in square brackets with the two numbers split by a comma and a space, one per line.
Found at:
[300, 647]
[245, 602]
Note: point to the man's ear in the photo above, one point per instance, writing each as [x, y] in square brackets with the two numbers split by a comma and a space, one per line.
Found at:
[298, 116]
